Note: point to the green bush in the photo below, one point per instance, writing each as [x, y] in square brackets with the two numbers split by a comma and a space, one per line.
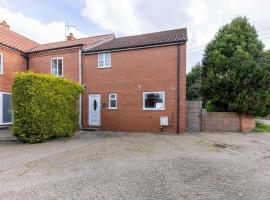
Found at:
[261, 127]
[44, 107]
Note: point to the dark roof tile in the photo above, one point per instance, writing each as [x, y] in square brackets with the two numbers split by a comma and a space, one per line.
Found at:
[149, 39]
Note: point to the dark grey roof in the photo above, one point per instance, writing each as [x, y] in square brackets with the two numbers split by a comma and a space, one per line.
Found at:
[149, 39]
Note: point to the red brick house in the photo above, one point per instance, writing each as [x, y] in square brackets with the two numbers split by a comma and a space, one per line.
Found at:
[131, 83]
[12, 59]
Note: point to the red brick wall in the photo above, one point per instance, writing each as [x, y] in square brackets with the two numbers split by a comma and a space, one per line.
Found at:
[220, 121]
[132, 73]
[227, 122]
[41, 62]
[13, 62]
[247, 123]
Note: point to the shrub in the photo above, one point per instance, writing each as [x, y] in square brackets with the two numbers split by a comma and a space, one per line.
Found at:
[44, 107]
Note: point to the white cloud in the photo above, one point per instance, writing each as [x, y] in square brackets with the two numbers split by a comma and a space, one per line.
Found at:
[202, 18]
[35, 29]
[117, 16]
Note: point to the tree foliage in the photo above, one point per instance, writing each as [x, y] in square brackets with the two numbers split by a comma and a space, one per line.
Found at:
[236, 70]
[194, 83]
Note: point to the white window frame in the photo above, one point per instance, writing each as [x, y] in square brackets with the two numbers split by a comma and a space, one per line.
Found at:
[110, 98]
[58, 58]
[1, 109]
[160, 92]
[102, 57]
[2, 64]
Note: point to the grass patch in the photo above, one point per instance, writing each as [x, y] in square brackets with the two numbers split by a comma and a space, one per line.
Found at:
[261, 127]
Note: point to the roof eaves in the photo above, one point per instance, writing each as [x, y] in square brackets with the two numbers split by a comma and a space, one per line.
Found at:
[136, 46]
[13, 48]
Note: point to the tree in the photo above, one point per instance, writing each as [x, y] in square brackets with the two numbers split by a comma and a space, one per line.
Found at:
[236, 71]
[194, 83]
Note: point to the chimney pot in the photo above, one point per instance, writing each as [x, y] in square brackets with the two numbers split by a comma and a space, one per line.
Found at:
[71, 37]
[4, 24]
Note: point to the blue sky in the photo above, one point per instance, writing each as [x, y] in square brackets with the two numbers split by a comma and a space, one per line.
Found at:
[44, 20]
[54, 10]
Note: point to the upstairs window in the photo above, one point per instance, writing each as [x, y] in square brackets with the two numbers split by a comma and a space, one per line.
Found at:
[153, 101]
[1, 63]
[57, 67]
[112, 101]
[104, 60]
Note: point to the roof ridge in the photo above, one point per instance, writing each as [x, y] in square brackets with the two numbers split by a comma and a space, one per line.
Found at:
[76, 39]
[164, 31]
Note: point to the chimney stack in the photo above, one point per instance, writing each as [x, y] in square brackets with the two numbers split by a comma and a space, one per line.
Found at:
[4, 24]
[71, 37]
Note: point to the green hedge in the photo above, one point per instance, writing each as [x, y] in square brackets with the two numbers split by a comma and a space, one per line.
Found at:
[44, 107]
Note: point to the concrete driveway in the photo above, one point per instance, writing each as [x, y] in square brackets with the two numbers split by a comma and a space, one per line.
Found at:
[108, 165]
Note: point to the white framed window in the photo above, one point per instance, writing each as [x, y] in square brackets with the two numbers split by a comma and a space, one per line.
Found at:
[112, 101]
[1, 63]
[57, 67]
[154, 101]
[5, 108]
[104, 60]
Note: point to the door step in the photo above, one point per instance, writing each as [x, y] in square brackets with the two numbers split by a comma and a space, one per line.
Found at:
[91, 129]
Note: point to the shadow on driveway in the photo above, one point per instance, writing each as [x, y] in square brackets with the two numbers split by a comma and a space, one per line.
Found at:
[7, 137]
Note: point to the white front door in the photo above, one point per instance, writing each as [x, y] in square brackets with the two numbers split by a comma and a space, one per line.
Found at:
[94, 108]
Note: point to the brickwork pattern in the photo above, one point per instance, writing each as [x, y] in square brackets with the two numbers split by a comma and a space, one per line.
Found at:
[132, 73]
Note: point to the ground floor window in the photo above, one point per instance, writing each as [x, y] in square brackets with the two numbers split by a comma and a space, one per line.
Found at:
[113, 101]
[5, 108]
[153, 100]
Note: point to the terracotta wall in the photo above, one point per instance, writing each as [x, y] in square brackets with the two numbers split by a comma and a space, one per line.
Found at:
[132, 73]
[41, 62]
[227, 122]
[13, 62]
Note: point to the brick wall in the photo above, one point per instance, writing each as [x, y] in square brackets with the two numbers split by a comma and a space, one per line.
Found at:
[41, 62]
[247, 123]
[132, 73]
[13, 62]
[227, 122]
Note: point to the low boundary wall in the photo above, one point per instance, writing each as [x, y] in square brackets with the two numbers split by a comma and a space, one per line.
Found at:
[227, 122]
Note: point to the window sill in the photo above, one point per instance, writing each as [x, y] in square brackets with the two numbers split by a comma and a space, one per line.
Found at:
[8, 123]
[104, 67]
[154, 109]
[112, 108]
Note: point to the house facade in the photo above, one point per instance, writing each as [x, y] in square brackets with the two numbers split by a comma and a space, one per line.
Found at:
[134, 83]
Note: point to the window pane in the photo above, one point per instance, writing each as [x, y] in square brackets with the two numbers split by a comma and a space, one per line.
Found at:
[7, 109]
[54, 67]
[107, 62]
[100, 56]
[154, 100]
[113, 103]
[107, 56]
[112, 96]
[100, 63]
[60, 67]
[54, 70]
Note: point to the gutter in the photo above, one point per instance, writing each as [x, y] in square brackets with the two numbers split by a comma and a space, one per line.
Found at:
[178, 88]
[9, 47]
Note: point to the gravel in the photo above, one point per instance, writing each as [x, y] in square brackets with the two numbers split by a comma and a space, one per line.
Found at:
[118, 165]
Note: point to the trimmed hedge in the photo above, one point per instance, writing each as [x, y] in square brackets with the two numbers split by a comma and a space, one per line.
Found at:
[44, 107]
